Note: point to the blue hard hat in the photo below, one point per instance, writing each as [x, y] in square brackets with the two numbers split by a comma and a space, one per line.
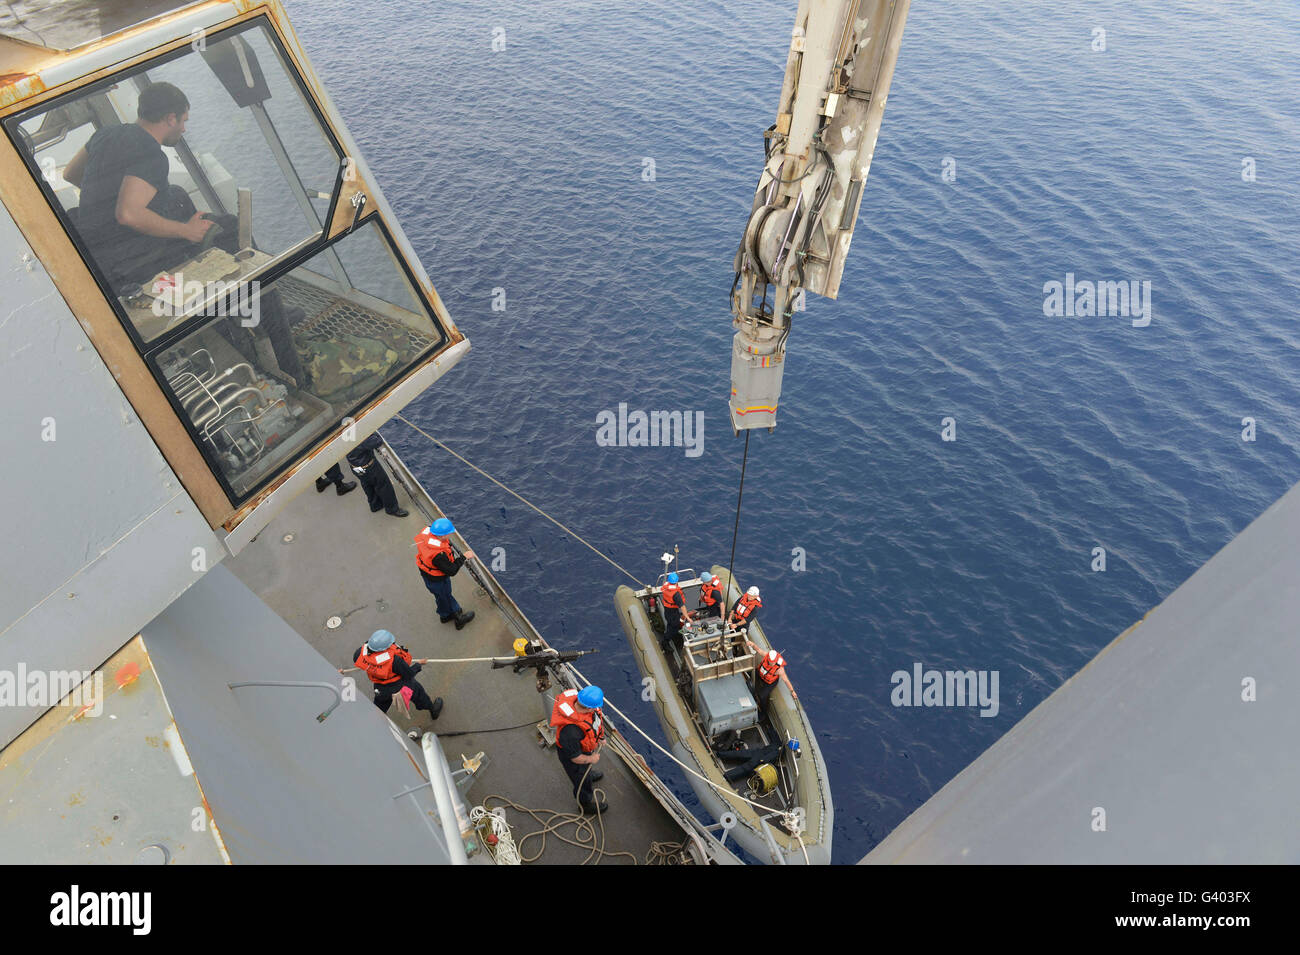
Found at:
[591, 697]
[381, 640]
[673, 578]
[442, 527]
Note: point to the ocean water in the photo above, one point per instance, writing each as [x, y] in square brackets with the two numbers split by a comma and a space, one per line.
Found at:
[522, 169]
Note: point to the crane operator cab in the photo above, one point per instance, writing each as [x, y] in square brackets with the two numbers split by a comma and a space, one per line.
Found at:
[213, 204]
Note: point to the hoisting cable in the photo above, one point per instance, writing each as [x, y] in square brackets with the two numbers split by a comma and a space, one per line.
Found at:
[566, 529]
[735, 531]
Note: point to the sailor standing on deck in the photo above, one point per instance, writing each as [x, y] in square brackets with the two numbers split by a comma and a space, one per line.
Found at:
[391, 670]
[770, 669]
[379, 489]
[335, 476]
[742, 611]
[438, 563]
[674, 606]
[710, 595]
[579, 733]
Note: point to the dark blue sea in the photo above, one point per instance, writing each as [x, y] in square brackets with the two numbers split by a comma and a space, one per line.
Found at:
[522, 170]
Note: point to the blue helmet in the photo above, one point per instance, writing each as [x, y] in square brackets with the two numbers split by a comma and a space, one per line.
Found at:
[592, 697]
[673, 578]
[442, 527]
[381, 640]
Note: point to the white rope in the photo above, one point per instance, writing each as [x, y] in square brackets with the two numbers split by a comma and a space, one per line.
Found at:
[505, 852]
[520, 497]
[729, 793]
[452, 660]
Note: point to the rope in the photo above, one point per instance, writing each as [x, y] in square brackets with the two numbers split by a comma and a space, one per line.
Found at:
[735, 531]
[584, 834]
[568, 530]
[730, 793]
[452, 660]
[505, 852]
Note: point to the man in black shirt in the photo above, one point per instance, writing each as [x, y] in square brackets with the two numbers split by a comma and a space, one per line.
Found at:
[137, 223]
[379, 489]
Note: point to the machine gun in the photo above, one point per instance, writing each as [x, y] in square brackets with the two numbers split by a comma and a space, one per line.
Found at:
[540, 659]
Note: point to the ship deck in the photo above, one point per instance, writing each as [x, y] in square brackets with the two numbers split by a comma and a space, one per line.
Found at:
[328, 556]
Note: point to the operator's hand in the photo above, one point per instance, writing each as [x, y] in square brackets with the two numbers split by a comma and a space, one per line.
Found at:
[196, 228]
[595, 758]
[469, 555]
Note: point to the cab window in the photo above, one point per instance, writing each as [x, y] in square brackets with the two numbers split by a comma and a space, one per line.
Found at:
[210, 164]
[198, 188]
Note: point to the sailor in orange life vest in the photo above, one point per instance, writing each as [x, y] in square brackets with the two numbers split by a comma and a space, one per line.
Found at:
[391, 669]
[674, 608]
[710, 595]
[742, 611]
[770, 669]
[438, 563]
[579, 733]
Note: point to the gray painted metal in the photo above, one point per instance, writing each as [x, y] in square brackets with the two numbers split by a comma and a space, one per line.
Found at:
[104, 788]
[100, 534]
[66, 24]
[1155, 731]
[838, 71]
[344, 561]
[282, 786]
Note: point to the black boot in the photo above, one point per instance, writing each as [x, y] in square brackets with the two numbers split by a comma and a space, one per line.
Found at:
[463, 618]
[595, 775]
[594, 807]
[322, 484]
[437, 708]
[344, 486]
[400, 512]
[447, 619]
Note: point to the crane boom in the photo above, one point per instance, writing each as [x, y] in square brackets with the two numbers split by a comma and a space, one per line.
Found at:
[842, 56]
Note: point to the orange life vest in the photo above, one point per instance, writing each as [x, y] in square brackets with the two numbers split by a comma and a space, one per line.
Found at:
[429, 546]
[745, 606]
[672, 595]
[379, 666]
[709, 593]
[565, 713]
[769, 671]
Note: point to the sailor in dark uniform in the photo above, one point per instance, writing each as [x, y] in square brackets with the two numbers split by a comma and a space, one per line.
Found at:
[379, 489]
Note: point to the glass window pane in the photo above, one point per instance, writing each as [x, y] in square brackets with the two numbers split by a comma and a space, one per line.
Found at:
[291, 359]
[204, 166]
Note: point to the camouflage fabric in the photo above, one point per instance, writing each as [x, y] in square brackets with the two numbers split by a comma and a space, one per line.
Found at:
[344, 367]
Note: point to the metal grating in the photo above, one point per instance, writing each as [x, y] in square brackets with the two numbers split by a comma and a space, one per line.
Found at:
[330, 315]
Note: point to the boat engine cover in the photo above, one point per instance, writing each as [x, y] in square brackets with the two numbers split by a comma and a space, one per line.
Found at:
[725, 704]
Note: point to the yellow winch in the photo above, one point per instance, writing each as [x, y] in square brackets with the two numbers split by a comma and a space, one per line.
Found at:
[764, 780]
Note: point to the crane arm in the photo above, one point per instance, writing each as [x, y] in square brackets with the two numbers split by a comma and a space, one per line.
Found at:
[842, 56]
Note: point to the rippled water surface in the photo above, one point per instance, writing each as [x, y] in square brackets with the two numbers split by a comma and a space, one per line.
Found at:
[522, 170]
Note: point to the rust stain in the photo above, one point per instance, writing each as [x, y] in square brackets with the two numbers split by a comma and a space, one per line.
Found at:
[16, 87]
[76, 799]
[153, 741]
